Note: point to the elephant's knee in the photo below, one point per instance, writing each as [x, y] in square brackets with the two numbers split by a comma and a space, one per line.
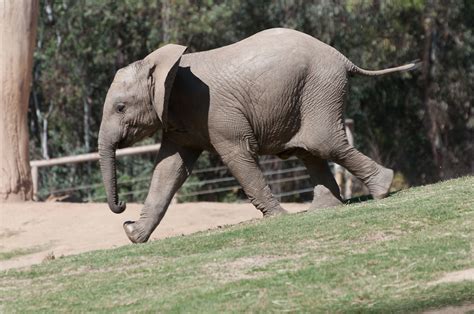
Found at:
[340, 152]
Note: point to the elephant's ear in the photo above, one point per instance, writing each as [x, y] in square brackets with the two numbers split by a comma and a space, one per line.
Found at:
[163, 65]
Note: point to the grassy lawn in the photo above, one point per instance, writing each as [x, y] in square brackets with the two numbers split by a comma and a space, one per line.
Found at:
[376, 256]
[15, 253]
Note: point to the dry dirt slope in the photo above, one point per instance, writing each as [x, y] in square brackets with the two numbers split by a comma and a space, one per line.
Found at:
[31, 232]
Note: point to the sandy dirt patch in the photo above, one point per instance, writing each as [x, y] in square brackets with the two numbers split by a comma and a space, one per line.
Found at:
[456, 276]
[460, 309]
[32, 232]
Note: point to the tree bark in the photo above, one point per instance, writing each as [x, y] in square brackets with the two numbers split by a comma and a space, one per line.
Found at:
[166, 20]
[18, 36]
[431, 112]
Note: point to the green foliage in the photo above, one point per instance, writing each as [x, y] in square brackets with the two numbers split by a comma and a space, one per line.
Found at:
[420, 123]
[382, 256]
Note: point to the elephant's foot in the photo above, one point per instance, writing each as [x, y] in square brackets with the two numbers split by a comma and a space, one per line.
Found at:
[323, 198]
[379, 185]
[275, 211]
[135, 233]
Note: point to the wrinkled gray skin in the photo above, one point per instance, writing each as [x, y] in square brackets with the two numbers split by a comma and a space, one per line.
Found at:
[279, 92]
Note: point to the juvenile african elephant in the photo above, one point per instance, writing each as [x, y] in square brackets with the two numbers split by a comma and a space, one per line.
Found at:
[279, 92]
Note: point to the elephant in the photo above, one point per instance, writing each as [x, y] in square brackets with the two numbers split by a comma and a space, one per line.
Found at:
[279, 92]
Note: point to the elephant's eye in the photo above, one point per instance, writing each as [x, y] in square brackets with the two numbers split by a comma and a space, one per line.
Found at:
[120, 107]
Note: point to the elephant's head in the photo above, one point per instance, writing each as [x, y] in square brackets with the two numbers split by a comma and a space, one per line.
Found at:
[135, 107]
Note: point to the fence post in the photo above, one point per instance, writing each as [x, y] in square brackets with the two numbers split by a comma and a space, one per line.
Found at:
[34, 178]
[342, 176]
[347, 175]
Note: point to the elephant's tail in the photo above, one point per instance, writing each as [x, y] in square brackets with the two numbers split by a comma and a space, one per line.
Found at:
[352, 68]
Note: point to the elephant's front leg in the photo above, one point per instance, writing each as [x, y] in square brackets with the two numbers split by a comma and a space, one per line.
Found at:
[174, 165]
[244, 167]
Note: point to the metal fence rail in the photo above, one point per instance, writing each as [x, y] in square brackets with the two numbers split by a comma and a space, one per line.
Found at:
[36, 164]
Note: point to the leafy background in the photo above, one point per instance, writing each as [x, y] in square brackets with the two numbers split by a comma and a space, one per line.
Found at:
[419, 123]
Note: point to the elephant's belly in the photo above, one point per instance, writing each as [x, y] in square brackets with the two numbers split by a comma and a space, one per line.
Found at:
[282, 149]
[276, 136]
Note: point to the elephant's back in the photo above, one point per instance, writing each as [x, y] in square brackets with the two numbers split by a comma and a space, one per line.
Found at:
[268, 41]
[269, 54]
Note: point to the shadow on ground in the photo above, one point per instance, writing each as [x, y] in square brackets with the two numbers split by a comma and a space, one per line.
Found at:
[364, 198]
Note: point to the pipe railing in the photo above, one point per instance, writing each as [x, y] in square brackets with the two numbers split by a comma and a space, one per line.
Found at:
[36, 164]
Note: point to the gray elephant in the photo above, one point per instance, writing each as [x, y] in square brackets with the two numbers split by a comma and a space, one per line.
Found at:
[279, 92]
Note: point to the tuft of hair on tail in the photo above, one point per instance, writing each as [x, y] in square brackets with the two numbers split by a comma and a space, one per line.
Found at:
[416, 64]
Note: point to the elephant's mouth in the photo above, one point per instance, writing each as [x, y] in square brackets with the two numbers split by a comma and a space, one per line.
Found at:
[126, 143]
[127, 137]
[133, 137]
[123, 144]
[130, 137]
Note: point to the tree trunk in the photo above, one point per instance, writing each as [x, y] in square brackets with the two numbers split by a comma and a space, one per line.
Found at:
[431, 112]
[18, 36]
[166, 20]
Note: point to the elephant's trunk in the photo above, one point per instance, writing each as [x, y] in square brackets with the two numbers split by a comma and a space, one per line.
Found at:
[109, 176]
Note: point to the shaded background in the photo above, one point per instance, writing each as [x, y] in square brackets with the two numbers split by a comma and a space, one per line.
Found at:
[419, 123]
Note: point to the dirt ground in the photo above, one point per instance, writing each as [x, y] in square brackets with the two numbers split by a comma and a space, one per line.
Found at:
[32, 232]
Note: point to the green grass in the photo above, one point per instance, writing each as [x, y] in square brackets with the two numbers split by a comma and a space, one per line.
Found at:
[376, 256]
[20, 252]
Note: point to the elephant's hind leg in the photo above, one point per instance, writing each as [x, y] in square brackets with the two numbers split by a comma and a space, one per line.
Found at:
[330, 142]
[326, 190]
[376, 177]
[243, 165]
